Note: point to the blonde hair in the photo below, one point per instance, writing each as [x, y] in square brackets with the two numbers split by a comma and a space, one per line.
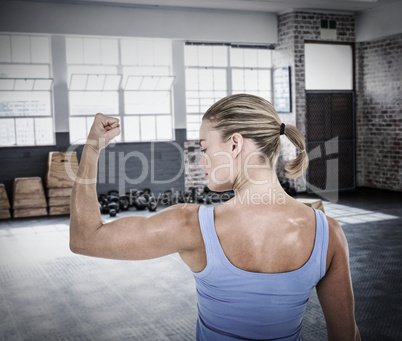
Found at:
[255, 118]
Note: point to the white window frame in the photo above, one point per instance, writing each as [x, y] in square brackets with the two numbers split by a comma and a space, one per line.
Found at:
[195, 118]
[29, 84]
[124, 63]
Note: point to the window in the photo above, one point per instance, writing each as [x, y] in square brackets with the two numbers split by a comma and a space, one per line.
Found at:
[26, 109]
[93, 82]
[125, 78]
[147, 83]
[216, 71]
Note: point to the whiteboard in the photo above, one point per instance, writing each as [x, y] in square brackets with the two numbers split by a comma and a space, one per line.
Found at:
[329, 67]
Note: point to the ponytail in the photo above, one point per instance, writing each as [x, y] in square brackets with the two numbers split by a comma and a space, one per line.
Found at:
[297, 166]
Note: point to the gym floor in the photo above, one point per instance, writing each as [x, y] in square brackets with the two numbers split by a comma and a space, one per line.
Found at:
[48, 293]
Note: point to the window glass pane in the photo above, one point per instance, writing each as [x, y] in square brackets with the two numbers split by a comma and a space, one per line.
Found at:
[194, 126]
[164, 127]
[133, 83]
[131, 128]
[78, 130]
[194, 119]
[143, 71]
[149, 83]
[75, 51]
[147, 102]
[191, 55]
[25, 131]
[78, 82]
[112, 82]
[90, 69]
[206, 79]
[34, 103]
[162, 52]
[44, 131]
[43, 84]
[146, 70]
[129, 51]
[250, 58]
[5, 49]
[7, 84]
[92, 51]
[23, 84]
[250, 80]
[264, 58]
[91, 102]
[192, 101]
[40, 50]
[192, 79]
[148, 132]
[220, 94]
[165, 83]
[193, 94]
[24, 71]
[145, 52]
[264, 80]
[7, 132]
[193, 109]
[95, 82]
[109, 51]
[206, 94]
[236, 57]
[237, 79]
[20, 49]
[220, 79]
[220, 55]
[205, 56]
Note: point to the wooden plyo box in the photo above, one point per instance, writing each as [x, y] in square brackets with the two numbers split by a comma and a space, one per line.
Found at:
[314, 203]
[61, 170]
[59, 200]
[29, 197]
[4, 203]
[59, 210]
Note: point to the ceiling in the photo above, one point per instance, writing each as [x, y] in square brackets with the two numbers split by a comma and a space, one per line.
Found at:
[274, 6]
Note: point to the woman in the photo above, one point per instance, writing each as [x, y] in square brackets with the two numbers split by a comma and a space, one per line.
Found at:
[255, 258]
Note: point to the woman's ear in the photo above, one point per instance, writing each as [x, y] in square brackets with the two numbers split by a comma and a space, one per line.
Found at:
[236, 144]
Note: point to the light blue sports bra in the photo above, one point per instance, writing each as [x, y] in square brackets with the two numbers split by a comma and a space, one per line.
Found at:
[234, 304]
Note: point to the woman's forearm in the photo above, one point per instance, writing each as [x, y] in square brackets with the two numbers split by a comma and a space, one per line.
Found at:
[85, 217]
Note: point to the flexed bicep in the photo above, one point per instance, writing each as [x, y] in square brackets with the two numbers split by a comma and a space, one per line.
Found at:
[135, 238]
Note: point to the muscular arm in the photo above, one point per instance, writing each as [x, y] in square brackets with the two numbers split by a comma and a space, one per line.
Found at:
[335, 291]
[169, 231]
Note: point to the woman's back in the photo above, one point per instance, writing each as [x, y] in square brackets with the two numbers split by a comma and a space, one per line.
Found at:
[235, 301]
[266, 238]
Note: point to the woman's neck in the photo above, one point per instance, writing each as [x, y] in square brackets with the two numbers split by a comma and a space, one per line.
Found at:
[259, 186]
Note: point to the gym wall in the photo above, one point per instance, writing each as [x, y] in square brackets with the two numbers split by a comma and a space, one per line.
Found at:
[378, 113]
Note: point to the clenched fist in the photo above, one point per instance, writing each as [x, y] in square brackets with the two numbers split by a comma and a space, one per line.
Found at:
[103, 130]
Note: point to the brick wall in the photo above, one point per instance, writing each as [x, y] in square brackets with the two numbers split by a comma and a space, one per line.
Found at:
[307, 27]
[194, 176]
[378, 115]
[293, 30]
[283, 56]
